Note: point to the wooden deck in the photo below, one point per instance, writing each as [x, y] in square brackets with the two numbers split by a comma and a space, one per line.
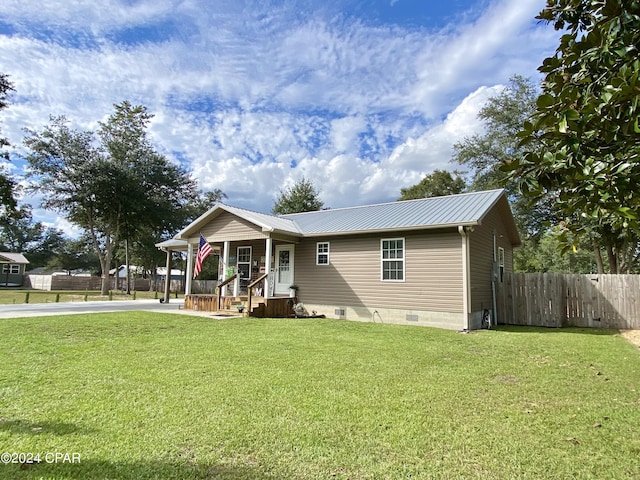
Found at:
[274, 307]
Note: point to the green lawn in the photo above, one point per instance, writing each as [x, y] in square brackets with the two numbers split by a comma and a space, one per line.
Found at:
[144, 395]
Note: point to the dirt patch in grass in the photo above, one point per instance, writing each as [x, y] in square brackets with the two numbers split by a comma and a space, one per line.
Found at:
[632, 335]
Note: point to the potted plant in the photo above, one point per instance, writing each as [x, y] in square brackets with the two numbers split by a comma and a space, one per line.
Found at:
[293, 291]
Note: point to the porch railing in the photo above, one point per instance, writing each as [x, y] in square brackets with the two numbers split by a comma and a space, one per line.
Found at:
[250, 289]
[224, 284]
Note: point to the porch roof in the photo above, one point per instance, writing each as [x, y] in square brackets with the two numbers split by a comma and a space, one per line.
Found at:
[268, 223]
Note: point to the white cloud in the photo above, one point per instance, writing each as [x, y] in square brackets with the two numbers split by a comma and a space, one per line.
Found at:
[252, 97]
[434, 148]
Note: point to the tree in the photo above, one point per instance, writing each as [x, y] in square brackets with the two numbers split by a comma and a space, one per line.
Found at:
[503, 116]
[20, 233]
[302, 197]
[75, 255]
[583, 141]
[157, 191]
[7, 184]
[436, 184]
[117, 185]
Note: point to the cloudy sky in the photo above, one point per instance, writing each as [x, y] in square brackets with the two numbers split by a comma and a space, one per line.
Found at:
[363, 97]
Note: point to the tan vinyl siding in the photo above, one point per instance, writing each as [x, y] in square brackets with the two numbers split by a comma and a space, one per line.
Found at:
[481, 257]
[433, 272]
[227, 226]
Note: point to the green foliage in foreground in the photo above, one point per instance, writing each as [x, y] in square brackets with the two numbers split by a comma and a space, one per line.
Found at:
[142, 395]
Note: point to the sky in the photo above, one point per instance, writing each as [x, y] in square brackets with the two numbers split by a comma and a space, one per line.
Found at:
[362, 97]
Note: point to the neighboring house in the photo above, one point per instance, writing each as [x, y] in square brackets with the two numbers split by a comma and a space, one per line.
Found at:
[176, 274]
[12, 267]
[430, 261]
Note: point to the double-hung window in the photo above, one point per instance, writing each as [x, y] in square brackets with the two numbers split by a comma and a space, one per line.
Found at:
[322, 253]
[392, 259]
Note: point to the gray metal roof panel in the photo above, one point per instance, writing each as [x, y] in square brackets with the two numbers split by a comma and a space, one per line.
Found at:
[463, 209]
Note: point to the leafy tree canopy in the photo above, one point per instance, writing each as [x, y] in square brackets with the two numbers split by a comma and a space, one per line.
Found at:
[112, 186]
[7, 184]
[583, 142]
[302, 197]
[436, 184]
[503, 116]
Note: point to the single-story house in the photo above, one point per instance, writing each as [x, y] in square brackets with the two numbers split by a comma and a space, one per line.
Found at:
[432, 261]
[12, 267]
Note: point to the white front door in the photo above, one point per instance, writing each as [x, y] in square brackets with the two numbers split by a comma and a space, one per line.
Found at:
[284, 269]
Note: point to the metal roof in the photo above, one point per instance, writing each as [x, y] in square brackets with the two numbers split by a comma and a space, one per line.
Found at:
[466, 209]
[436, 212]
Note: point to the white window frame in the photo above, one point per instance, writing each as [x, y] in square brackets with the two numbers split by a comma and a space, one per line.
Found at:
[501, 263]
[401, 260]
[323, 253]
[238, 261]
[11, 268]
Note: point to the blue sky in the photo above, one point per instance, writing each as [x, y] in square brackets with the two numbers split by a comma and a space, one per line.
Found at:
[363, 97]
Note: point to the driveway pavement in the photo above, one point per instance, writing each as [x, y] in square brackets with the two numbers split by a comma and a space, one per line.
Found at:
[70, 308]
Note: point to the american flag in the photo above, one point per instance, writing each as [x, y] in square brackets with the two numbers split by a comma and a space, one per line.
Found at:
[203, 252]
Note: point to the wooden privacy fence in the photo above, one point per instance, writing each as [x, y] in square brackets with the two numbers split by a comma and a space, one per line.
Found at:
[559, 300]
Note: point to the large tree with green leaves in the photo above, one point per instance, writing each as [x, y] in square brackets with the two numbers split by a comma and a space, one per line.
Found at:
[583, 141]
[436, 184]
[157, 191]
[112, 185]
[7, 184]
[302, 197]
[502, 117]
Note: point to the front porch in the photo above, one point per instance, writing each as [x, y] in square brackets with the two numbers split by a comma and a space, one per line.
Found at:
[255, 263]
[261, 307]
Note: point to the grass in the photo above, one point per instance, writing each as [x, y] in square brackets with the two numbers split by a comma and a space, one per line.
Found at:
[146, 396]
[10, 296]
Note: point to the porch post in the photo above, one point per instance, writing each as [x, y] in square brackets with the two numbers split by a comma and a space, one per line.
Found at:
[188, 280]
[267, 266]
[225, 265]
[167, 280]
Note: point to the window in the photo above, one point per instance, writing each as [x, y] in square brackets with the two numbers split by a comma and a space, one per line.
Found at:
[244, 262]
[322, 253]
[392, 259]
[13, 268]
[501, 262]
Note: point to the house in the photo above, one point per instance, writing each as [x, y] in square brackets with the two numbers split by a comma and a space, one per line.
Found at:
[12, 267]
[432, 261]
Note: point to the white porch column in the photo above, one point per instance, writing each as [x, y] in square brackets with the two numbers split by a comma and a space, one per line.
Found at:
[225, 265]
[167, 281]
[187, 285]
[267, 266]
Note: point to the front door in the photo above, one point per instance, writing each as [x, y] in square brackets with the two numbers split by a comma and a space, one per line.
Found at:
[284, 269]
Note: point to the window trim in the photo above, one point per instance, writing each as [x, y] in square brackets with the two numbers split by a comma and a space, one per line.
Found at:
[401, 260]
[238, 261]
[501, 263]
[10, 267]
[327, 253]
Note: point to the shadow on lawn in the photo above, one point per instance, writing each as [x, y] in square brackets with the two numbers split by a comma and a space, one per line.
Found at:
[94, 470]
[579, 330]
[37, 428]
